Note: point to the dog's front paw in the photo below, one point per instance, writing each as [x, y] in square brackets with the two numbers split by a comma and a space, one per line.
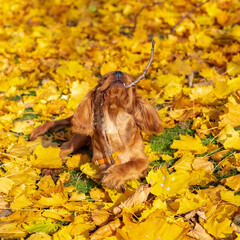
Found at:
[114, 177]
[40, 130]
[66, 149]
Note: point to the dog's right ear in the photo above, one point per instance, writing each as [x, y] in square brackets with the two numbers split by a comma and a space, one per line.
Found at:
[82, 121]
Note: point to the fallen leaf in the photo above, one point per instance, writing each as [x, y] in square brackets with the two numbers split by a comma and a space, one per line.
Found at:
[46, 157]
[198, 232]
[196, 145]
[39, 236]
[140, 196]
[77, 197]
[100, 217]
[107, 230]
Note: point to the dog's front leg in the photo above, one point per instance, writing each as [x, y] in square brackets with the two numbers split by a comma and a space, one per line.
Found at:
[50, 126]
[76, 142]
[116, 175]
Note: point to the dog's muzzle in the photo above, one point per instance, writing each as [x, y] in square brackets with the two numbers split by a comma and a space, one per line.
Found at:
[118, 76]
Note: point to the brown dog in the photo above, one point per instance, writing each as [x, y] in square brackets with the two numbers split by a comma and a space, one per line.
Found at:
[124, 113]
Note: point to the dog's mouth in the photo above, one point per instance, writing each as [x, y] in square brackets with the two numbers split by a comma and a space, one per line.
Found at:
[118, 83]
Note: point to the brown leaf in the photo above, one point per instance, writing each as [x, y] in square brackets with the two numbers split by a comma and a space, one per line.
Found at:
[199, 233]
[138, 197]
[219, 155]
[4, 205]
[235, 227]
[54, 172]
[100, 217]
[106, 231]
[192, 215]
[202, 163]
[99, 194]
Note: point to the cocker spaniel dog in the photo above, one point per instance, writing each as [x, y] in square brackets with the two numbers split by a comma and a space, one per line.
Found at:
[124, 114]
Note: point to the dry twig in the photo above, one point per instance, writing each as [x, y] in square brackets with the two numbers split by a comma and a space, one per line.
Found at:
[146, 69]
[139, 12]
[187, 15]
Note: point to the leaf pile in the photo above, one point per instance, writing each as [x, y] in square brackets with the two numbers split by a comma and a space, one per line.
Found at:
[52, 53]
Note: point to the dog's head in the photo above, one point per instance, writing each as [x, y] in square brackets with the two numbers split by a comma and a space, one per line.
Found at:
[111, 91]
[115, 95]
[115, 79]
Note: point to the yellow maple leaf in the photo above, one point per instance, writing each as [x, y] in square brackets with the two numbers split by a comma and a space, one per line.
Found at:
[232, 116]
[203, 94]
[219, 220]
[6, 185]
[78, 92]
[188, 143]
[168, 185]
[91, 170]
[229, 138]
[156, 226]
[21, 201]
[70, 68]
[56, 199]
[60, 214]
[201, 177]
[163, 80]
[233, 182]
[12, 230]
[233, 68]
[77, 197]
[46, 157]
[77, 160]
[180, 67]
[235, 33]
[45, 183]
[229, 196]
[185, 162]
[40, 236]
[224, 88]
[47, 92]
[188, 202]
[201, 40]
[172, 89]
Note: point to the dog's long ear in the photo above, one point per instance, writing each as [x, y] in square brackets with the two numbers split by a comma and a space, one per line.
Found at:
[146, 117]
[83, 118]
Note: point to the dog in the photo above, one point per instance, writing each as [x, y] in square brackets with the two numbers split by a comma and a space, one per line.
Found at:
[124, 114]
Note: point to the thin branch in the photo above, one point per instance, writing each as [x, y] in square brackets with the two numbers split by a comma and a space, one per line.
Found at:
[146, 69]
[139, 12]
[187, 15]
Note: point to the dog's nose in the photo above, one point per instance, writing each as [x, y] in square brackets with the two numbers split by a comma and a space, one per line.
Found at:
[118, 74]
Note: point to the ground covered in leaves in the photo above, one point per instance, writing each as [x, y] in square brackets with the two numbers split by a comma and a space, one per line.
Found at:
[52, 53]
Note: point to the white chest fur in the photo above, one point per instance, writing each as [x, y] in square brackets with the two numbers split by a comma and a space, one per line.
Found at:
[116, 123]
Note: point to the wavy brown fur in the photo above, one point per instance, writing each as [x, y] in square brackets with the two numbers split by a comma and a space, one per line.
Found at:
[125, 114]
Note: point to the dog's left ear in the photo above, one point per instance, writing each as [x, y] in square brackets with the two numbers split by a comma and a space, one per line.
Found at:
[146, 117]
[82, 121]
